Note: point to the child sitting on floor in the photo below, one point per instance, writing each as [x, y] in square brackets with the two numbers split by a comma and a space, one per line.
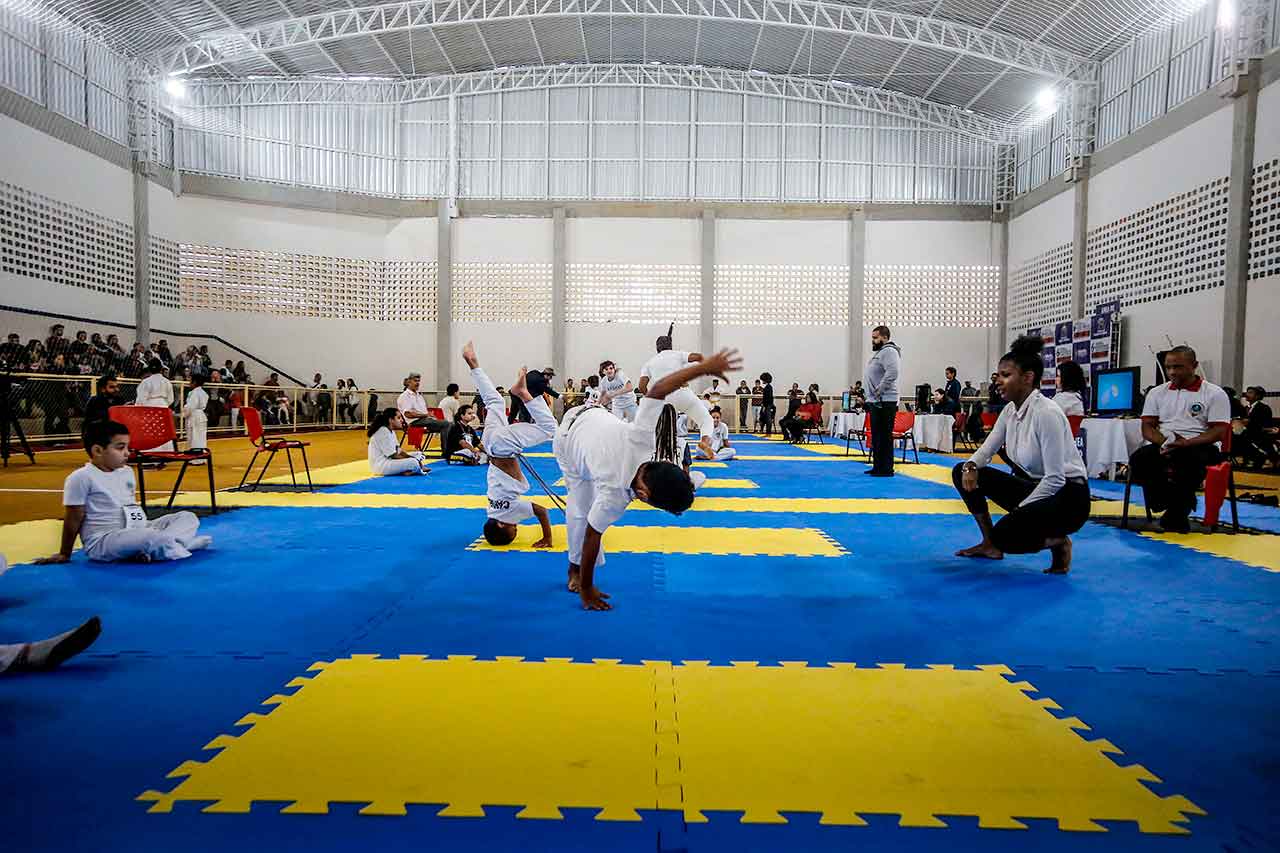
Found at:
[102, 510]
[386, 459]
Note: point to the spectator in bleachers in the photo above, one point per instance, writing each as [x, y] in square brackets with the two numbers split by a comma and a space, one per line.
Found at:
[56, 343]
[12, 352]
[346, 408]
[80, 346]
[324, 405]
[239, 373]
[118, 354]
[206, 360]
[100, 348]
[35, 355]
[228, 371]
[136, 365]
[99, 405]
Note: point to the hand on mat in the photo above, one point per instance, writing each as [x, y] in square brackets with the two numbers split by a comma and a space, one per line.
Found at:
[56, 558]
[544, 542]
[725, 361]
[594, 599]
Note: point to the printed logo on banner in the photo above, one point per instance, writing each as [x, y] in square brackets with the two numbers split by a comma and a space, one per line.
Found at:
[1101, 349]
[1112, 307]
[1063, 333]
[1063, 354]
[1102, 325]
[1082, 329]
[1080, 352]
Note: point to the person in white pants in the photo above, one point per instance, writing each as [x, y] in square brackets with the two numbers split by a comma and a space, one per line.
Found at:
[156, 390]
[620, 390]
[504, 442]
[386, 459]
[666, 362]
[101, 508]
[721, 449]
[607, 463]
[196, 419]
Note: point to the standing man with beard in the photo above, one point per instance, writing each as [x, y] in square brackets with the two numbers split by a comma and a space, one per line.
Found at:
[881, 383]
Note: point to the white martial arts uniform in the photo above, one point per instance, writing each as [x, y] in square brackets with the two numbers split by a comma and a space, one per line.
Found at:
[449, 405]
[115, 528]
[382, 447]
[156, 391]
[197, 420]
[664, 364]
[622, 403]
[592, 397]
[720, 435]
[599, 456]
[506, 440]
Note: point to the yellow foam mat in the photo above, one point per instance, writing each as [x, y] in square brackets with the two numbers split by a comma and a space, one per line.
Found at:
[756, 541]
[25, 541]
[711, 483]
[1262, 551]
[330, 475]
[546, 735]
[878, 506]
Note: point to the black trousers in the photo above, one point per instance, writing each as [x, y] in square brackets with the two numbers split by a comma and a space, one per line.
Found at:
[1169, 481]
[1024, 529]
[432, 425]
[1256, 447]
[792, 427]
[880, 420]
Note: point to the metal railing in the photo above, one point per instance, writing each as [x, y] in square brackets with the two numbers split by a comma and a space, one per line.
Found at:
[51, 407]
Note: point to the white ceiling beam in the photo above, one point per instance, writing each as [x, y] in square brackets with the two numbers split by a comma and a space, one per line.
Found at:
[826, 15]
[687, 77]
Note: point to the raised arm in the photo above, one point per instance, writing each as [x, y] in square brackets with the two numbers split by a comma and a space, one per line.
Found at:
[723, 362]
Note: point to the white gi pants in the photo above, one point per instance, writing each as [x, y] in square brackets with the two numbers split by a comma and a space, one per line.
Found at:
[686, 401]
[170, 537]
[392, 467]
[197, 430]
[582, 491]
[507, 440]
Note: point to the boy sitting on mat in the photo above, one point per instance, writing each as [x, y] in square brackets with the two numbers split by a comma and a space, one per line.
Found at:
[102, 510]
[607, 462]
[505, 441]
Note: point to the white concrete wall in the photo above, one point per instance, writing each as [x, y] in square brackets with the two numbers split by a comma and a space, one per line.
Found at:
[1261, 343]
[926, 351]
[627, 241]
[1040, 229]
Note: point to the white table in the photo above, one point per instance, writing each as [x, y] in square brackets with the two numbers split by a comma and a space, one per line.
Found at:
[1110, 442]
[934, 432]
[842, 423]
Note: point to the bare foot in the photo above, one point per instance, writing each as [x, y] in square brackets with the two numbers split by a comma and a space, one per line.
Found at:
[575, 581]
[518, 388]
[1061, 550]
[984, 550]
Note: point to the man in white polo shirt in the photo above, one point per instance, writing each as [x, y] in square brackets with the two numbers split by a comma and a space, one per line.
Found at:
[413, 407]
[1185, 420]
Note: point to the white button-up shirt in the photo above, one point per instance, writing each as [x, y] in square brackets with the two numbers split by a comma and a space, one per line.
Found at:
[1038, 439]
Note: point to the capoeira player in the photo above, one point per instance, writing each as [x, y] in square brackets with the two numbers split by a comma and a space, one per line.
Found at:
[608, 462]
[620, 390]
[722, 450]
[505, 441]
[667, 362]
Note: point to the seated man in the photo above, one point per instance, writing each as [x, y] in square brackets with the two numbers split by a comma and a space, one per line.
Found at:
[1185, 421]
[413, 407]
[943, 404]
[504, 441]
[102, 510]
[721, 449]
[1258, 443]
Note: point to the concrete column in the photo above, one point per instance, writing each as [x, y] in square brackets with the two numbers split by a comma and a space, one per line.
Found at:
[444, 291]
[141, 258]
[559, 292]
[857, 293]
[707, 315]
[1079, 239]
[1000, 256]
[1244, 121]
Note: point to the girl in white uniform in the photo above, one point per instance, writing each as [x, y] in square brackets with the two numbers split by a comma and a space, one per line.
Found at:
[386, 459]
[720, 447]
[620, 390]
[193, 411]
[504, 441]
[156, 391]
[101, 508]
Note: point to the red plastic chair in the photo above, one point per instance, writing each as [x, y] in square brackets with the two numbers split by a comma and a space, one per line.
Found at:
[261, 444]
[151, 427]
[1219, 481]
[958, 432]
[813, 423]
[1075, 421]
[862, 435]
[903, 425]
[989, 420]
[417, 437]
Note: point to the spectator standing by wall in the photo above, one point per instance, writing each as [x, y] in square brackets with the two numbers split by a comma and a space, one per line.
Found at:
[882, 399]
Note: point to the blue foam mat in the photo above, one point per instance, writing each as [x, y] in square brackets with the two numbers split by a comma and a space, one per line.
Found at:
[188, 648]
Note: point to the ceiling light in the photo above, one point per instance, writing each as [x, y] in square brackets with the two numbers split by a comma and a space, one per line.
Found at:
[176, 88]
[1047, 100]
[1226, 14]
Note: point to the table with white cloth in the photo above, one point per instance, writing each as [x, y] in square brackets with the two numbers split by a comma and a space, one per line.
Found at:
[842, 423]
[934, 432]
[1110, 442]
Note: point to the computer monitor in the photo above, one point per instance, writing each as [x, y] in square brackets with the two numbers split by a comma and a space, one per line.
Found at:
[1117, 391]
[846, 401]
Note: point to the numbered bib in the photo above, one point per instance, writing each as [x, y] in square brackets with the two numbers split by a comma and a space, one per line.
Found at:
[134, 516]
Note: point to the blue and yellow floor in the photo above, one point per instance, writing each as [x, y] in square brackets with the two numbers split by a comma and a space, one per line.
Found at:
[799, 663]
